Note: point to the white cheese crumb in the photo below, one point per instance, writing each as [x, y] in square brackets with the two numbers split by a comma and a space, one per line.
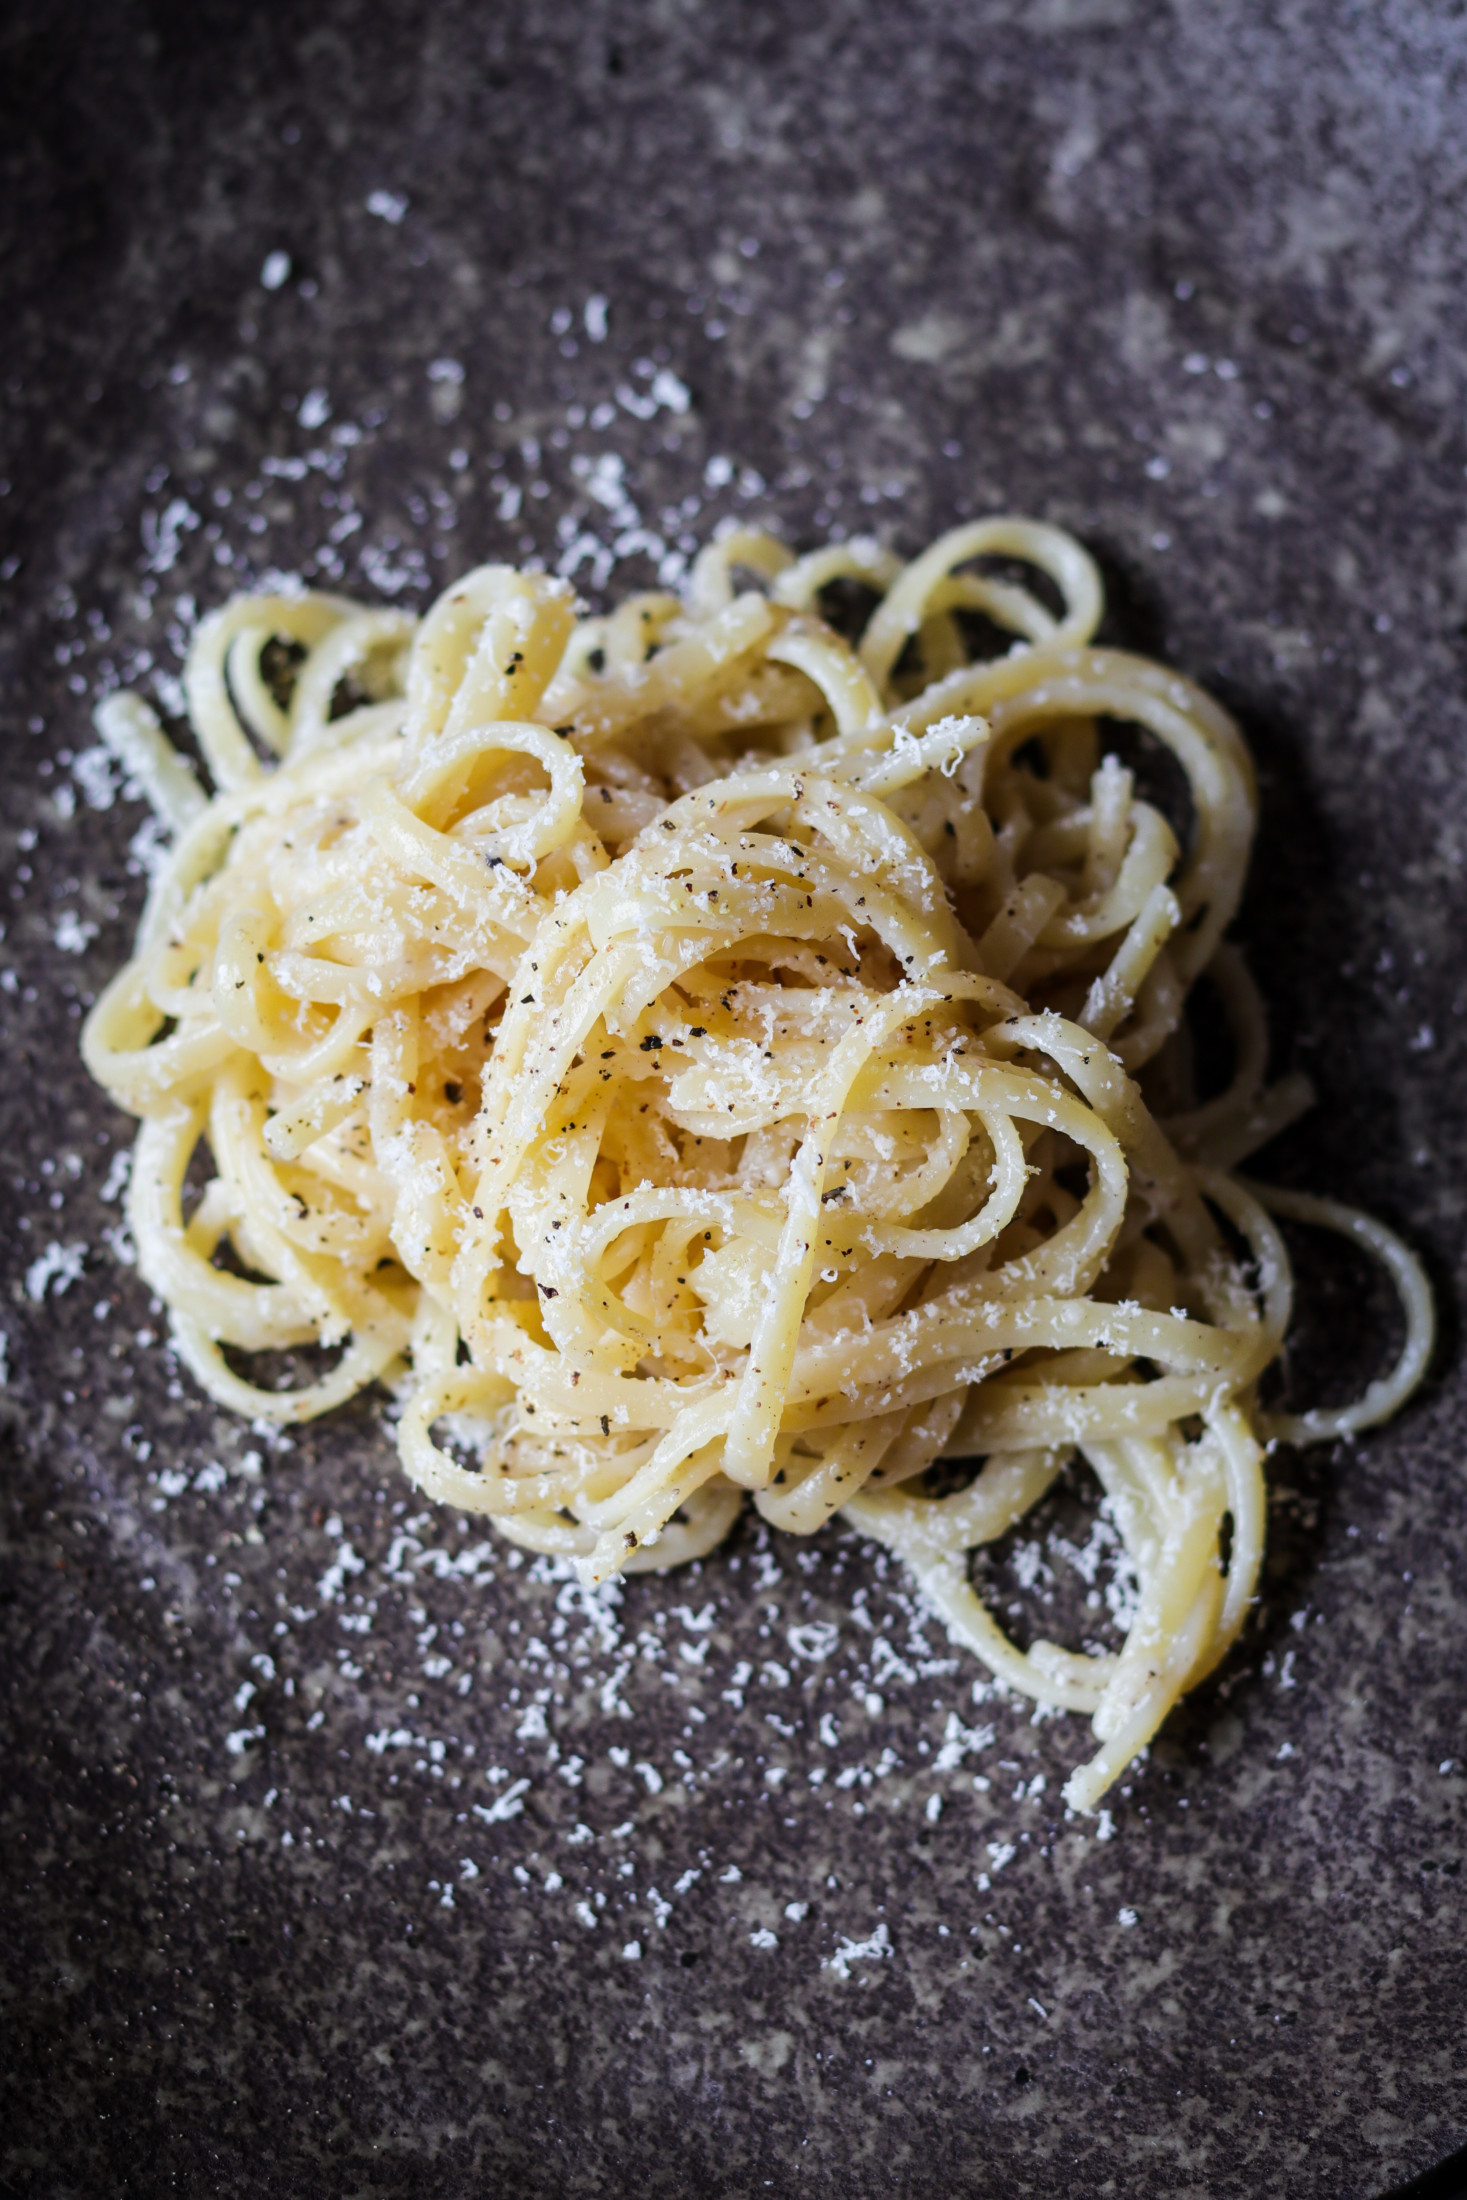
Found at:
[851, 1951]
[73, 934]
[96, 774]
[668, 390]
[507, 1805]
[329, 1587]
[59, 1266]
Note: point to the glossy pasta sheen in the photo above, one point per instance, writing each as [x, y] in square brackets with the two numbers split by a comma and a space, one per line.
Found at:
[692, 1057]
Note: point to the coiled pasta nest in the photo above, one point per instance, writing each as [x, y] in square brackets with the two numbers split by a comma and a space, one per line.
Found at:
[693, 1055]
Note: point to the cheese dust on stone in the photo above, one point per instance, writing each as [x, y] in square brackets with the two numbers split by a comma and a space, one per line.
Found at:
[731, 1050]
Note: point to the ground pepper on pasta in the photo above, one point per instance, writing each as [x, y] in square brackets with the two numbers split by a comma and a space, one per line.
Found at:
[693, 1057]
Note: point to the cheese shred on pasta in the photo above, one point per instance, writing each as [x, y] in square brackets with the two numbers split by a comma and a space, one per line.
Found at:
[692, 1057]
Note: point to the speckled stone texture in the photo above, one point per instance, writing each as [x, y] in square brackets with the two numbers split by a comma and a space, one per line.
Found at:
[327, 1830]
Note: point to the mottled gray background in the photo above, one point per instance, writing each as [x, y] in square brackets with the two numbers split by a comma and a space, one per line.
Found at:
[279, 1915]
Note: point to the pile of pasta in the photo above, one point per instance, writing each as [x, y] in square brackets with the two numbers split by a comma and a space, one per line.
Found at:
[693, 1056]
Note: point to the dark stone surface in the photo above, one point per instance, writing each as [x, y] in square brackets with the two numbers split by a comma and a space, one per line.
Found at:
[1190, 280]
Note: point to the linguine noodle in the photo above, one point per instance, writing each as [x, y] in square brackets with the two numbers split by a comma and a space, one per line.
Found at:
[691, 1057]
